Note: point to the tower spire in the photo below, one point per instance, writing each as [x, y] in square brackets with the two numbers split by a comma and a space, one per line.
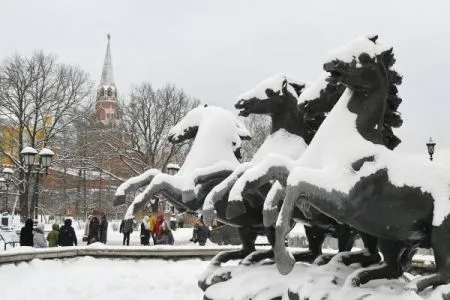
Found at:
[107, 73]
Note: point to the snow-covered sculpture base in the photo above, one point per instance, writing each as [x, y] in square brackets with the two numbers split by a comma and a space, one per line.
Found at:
[328, 282]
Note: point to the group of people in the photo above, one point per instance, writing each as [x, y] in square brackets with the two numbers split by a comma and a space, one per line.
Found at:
[96, 228]
[152, 226]
[35, 237]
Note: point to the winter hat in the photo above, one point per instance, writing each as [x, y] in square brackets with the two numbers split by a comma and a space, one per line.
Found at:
[146, 218]
[40, 226]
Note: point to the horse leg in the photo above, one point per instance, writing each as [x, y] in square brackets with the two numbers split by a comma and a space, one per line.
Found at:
[259, 255]
[315, 237]
[284, 260]
[345, 238]
[368, 256]
[251, 181]
[440, 242]
[248, 237]
[220, 191]
[272, 202]
[391, 268]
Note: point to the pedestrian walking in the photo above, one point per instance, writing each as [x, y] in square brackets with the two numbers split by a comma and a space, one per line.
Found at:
[53, 236]
[94, 230]
[126, 227]
[145, 231]
[39, 237]
[103, 229]
[26, 234]
[67, 236]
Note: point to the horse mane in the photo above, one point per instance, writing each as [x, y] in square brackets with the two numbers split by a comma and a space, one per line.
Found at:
[314, 111]
[392, 118]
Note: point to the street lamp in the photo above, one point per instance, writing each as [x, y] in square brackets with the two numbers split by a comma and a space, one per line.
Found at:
[430, 146]
[29, 155]
[172, 169]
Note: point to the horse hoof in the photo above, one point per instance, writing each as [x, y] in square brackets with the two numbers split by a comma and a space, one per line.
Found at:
[270, 217]
[208, 216]
[285, 263]
[235, 209]
[356, 282]
[410, 287]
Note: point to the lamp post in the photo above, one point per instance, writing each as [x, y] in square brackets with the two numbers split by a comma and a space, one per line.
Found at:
[430, 146]
[45, 159]
[172, 169]
[3, 188]
[7, 174]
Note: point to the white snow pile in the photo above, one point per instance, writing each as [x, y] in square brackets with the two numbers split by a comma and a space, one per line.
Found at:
[273, 83]
[331, 281]
[219, 134]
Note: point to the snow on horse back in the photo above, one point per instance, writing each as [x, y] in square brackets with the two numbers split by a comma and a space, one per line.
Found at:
[217, 134]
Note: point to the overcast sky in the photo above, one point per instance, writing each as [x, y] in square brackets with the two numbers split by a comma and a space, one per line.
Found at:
[216, 50]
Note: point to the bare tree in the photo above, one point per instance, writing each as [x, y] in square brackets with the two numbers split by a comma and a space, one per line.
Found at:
[259, 127]
[146, 120]
[38, 100]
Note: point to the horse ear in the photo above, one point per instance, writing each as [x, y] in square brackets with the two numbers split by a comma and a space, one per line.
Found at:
[374, 38]
[270, 92]
[206, 105]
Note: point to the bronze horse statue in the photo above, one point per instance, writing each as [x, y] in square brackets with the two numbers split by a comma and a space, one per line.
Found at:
[401, 202]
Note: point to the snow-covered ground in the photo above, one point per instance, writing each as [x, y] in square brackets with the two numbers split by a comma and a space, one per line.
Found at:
[91, 278]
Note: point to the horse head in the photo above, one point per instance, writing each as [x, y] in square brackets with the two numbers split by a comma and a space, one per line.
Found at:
[363, 66]
[272, 96]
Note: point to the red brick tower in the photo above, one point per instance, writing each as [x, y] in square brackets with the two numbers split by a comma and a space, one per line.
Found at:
[106, 104]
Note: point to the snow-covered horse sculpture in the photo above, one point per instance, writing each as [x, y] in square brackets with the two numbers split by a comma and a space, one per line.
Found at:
[293, 126]
[315, 101]
[218, 135]
[349, 175]
[277, 97]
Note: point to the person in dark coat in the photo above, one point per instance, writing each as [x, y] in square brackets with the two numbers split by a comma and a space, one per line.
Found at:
[67, 236]
[126, 227]
[26, 234]
[145, 231]
[201, 232]
[103, 229]
[94, 230]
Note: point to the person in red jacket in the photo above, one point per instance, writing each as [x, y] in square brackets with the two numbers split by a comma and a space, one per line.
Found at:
[159, 221]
